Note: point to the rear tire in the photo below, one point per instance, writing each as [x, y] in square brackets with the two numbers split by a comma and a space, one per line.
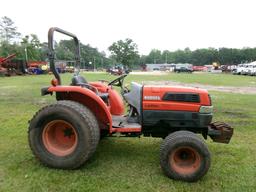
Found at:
[64, 135]
[184, 156]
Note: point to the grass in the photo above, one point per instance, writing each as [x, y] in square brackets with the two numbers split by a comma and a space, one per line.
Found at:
[204, 78]
[125, 164]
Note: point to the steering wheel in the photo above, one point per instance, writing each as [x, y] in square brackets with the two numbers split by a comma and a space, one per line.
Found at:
[118, 81]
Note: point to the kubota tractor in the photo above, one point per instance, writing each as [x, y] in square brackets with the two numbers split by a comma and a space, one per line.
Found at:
[66, 134]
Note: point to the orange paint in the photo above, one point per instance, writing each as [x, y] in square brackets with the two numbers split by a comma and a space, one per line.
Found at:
[87, 98]
[116, 102]
[160, 91]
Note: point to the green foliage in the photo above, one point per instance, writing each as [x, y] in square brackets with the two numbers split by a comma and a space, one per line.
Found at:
[155, 56]
[7, 49]
[224, 56]
[8, 31]
[8, 35]
[65, 50]
[32, 45]
[9, 45]
[124, 52]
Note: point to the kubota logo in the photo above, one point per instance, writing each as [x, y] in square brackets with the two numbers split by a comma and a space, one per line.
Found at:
[151, 97]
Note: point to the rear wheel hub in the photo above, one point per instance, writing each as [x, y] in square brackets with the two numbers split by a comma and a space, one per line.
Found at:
[59, 138]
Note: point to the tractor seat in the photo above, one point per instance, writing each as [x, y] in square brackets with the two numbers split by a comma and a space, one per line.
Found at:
[104, 97]
[78, 80]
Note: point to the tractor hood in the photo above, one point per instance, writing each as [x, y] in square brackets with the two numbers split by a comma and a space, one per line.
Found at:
[176, 94]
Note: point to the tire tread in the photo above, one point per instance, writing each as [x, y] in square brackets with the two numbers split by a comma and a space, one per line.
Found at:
[86, 115]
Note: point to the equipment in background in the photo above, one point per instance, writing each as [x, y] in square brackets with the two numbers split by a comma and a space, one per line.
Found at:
[118, 70]
[185, 68]
[10, 66]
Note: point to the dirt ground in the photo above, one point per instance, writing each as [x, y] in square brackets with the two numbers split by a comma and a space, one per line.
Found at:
[227, 89]
[148, 73]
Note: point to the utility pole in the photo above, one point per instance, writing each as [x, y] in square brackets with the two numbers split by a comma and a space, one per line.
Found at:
[26, 55]
[94, 64]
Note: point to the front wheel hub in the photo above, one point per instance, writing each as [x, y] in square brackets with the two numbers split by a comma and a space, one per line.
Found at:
[185, 160]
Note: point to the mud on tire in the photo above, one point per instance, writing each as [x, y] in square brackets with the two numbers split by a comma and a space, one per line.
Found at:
[184, 156]
[64, 135]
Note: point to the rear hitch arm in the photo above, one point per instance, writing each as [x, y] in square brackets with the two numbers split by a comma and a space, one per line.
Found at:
[220, 132]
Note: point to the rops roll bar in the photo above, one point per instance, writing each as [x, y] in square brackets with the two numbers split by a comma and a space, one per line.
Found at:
[51, 53]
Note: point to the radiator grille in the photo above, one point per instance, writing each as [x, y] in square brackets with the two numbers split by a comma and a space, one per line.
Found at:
[182, 97]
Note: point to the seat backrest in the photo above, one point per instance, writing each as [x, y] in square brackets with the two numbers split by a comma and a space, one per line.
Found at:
[78, 80]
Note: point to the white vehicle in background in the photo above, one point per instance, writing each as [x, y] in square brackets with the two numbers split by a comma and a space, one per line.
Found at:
[245, 69]
[240, 68]
[252, 69]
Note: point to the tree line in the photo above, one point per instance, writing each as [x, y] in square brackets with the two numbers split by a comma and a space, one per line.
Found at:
[223, 56]
[125, 52]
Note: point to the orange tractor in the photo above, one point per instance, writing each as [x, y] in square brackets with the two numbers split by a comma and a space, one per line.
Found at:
[66, 134]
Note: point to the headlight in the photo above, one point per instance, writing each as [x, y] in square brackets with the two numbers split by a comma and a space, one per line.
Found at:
[206, 109]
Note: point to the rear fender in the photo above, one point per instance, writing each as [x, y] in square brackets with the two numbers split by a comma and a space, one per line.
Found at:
[88, 98]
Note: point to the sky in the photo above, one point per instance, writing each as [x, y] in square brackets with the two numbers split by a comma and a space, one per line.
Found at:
[151, 24]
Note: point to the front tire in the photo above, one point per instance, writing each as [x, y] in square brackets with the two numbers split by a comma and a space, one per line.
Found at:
[64, 135]
[184, 156]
